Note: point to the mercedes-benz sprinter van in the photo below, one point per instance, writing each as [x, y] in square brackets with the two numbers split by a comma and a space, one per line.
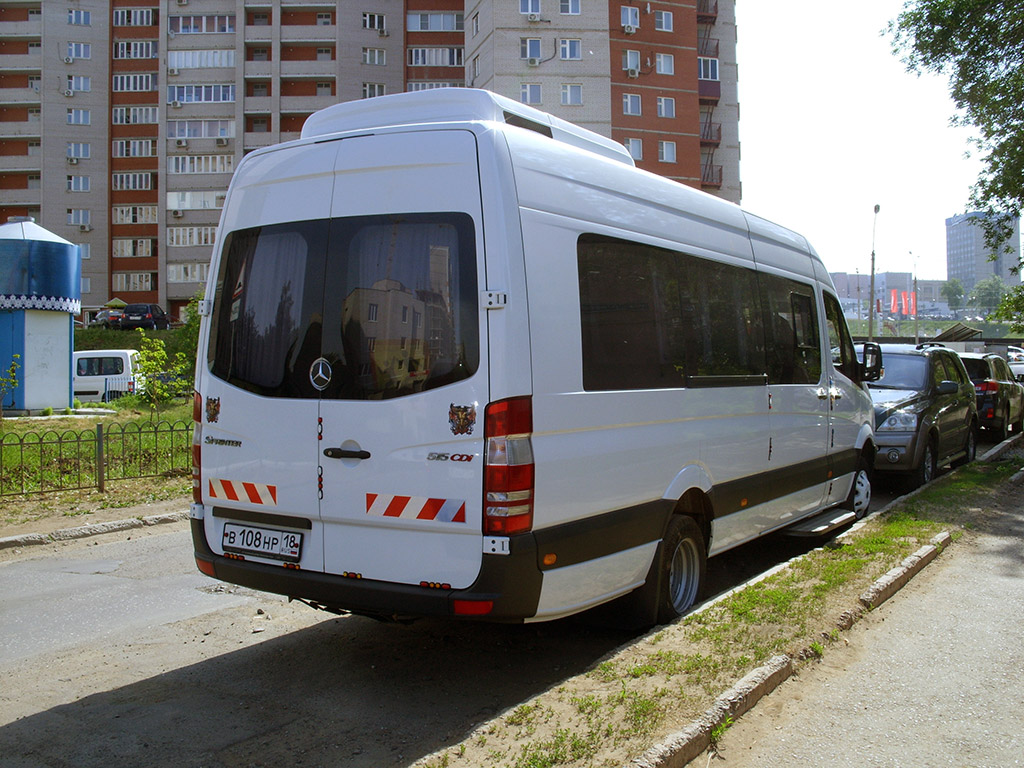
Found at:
[459, 357]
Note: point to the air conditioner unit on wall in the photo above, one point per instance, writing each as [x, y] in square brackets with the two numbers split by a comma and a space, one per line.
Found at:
[533, 61]
[182, 2]
[173, 71]
[533, 17]
[222, 141]
[72, 161]
[633, 73]
[69, 59]
[177, 214]
[181, 142]
[629, 29]
[85, 228]
[68, 92]
[176, 104]
[383, 32]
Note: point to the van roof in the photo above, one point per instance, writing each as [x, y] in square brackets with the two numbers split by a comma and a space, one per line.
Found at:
[454, 105]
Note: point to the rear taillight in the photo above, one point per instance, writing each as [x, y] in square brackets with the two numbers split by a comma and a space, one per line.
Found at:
[197, 429]
[508, 467]
[986, 386]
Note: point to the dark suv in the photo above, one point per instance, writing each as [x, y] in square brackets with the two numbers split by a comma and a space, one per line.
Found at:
[1000, 396]
[144, 316]
[926, 414]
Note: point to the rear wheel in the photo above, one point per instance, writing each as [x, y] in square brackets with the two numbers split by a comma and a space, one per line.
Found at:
[681, 568]
[970, 448]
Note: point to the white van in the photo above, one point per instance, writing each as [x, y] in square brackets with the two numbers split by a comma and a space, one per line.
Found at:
[459, 357]
[102, 375]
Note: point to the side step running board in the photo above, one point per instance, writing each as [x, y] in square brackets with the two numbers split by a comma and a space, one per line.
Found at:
[822, 523]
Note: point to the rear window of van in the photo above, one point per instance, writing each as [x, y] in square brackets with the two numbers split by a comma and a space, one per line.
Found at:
[100, 366]
[388, 302]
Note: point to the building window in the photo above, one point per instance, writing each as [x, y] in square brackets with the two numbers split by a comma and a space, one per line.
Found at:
[135, 115]
[179, 164]
[81, 83]
[130, 248]
[133, 281]
[133, 17]
[476, 24]
[436, 57]
[133, 148]
[374, 21]
[529, 93]
[188, 94]
[133, 214]
[631, 104]
[630, 16]
[631, 60]
[374, 89]
[324, 20]
[187, 273]
[134, 83]
[529, 48]
[666, 106]
[476, 66]
[136, 49]
[569, 7]
[80, 50]
[325, 54]
[261, 19]
[324, 89]
[78, 183]
[86, 282]
[666, 151]
[80, 18]
[85, 250]
[260, 54]
[260, 125]
[572, 94]
[663, 21]
[79, 117]
[707, 69]
[437, 21]
[529, 6]
[665, 64]
[200, 59]
[371, 312]
[375, 56]
[79, 216]
[186, 237]
[636, 148]
[80, 149]
[132, 181]
[260, 89]
[571, 49]
[201, 25]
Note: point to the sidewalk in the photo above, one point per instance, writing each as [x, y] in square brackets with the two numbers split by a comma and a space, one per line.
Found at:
[934, 677]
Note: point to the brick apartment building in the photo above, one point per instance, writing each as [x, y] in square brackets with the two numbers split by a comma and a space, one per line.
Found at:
[121, 122]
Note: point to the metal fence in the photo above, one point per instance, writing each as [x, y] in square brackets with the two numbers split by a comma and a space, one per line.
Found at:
[70, 460]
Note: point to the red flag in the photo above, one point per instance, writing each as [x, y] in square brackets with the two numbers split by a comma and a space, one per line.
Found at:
[893, 305]
[913, 303]
[906, 305]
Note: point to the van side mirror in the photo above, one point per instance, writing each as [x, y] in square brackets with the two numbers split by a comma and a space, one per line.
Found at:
[871, 362]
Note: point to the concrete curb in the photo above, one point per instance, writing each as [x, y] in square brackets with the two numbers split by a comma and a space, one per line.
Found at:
[95, 529]
[683, 746]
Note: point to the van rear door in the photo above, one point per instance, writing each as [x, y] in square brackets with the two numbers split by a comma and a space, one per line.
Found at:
[400, 372]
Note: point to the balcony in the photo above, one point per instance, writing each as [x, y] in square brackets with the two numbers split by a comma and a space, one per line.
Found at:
[711, 176]
[312, 33]
[257, 139]
[259, 69]
[258, 33]
[309, 68]
[31, 28]
[23, 163]
[709, 90]
[306, 103]
[28, 128]
[707, 11]
[21, 61]
[19, 96]
[21, 197]
[707, 47]
[710, 134]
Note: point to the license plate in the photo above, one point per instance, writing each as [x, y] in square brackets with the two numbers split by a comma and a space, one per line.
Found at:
[265, 542]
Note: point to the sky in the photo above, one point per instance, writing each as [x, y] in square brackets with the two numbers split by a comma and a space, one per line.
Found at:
[832, 124]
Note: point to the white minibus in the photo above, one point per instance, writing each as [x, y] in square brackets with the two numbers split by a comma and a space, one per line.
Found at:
[461, 358]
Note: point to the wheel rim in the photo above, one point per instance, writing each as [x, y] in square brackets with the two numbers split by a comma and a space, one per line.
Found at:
[861, 494]
[972, 446]
[684, 575]
[928, 465]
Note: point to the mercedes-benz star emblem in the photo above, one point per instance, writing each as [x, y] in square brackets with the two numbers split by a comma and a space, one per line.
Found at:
[320, 373]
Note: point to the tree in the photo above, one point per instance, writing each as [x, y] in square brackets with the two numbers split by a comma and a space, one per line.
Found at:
[978, 45]
[161, 378]
[953, 293]
[1011, 308]
[987, 294]
[8, 382]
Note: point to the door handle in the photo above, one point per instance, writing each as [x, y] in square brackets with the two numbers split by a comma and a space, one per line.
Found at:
[343, 453]
[822, 393]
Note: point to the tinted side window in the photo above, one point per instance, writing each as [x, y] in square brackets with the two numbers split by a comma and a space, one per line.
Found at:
[844, 356]
[791, 331]
[653, 318]
[977, 368]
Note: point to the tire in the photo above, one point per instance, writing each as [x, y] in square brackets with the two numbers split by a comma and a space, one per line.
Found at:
[926, 470]
[859, 500]
[682, 567]
[970, 448]
[1018, 425]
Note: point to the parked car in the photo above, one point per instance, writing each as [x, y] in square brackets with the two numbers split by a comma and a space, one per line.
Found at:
[108, 318]
[1000, 396]
[1015, 354]
[145, 316]
[926, 412]
[102, 375]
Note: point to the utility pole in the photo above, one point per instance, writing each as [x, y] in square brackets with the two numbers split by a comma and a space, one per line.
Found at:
[871, 295]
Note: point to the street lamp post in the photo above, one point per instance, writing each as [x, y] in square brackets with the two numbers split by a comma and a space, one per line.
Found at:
[871, 294]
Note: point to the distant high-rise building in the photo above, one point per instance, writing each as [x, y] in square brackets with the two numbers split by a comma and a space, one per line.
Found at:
[967, 256]
[121, 122]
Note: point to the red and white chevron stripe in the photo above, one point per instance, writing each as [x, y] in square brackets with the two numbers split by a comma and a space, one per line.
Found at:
[254, 493]
[416, 507]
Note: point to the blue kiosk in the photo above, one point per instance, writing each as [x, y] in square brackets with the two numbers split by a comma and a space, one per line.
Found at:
[40, 293]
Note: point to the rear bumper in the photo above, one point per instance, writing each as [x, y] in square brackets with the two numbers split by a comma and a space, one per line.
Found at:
[512, 583]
